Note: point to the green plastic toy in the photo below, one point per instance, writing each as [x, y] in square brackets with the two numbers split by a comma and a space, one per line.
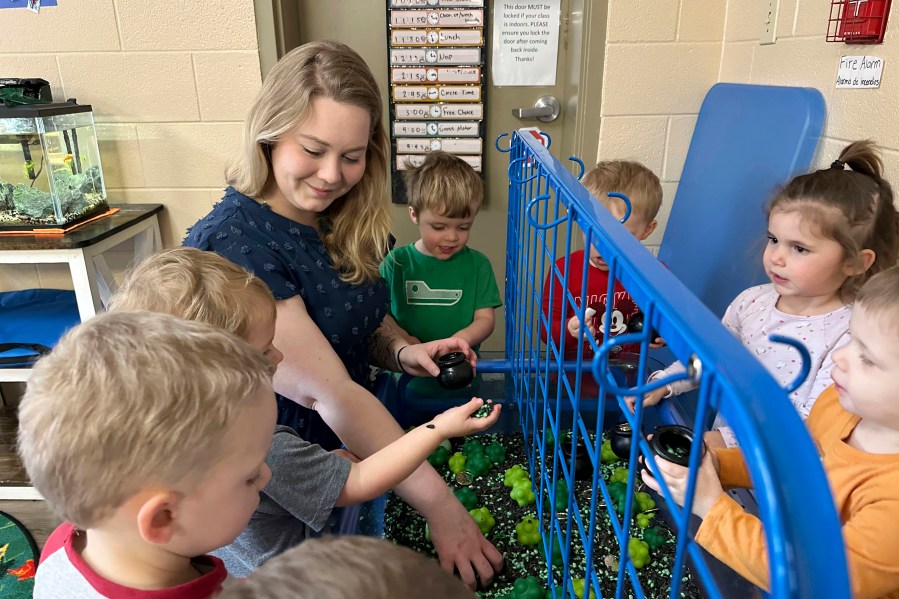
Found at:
[557, 553]
[478, 464]
[457, 462]
[654, 537]
[578, 584]
[527, 588]
[514, 473]
[496, 452]
[439, 457]
[466, 497]
[561, 496]
[644, 520]
[644, 501]
[606, 454]
[619, 475]
[483, 519]
[639, 552]
[471, 447]
[523, 492]
[618, 493]
[528, 531]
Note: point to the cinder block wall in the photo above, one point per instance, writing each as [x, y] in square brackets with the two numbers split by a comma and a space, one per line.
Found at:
[661, 56]
[169, 82]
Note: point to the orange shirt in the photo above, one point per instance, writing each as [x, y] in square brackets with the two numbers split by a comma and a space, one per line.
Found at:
[866, 493]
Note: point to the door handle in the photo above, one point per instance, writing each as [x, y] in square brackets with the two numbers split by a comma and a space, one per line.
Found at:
[546, 109]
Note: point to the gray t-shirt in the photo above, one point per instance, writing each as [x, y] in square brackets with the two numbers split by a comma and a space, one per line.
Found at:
[306, 482]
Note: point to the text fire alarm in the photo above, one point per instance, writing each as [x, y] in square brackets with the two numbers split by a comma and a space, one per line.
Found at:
[858, 21]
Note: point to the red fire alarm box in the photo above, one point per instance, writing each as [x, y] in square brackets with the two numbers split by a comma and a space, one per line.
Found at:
[858, 21]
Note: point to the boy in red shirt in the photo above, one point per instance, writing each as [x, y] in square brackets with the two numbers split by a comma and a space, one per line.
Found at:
[643, 189]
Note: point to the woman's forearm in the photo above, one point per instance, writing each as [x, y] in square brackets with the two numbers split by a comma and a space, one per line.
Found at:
[385, 342]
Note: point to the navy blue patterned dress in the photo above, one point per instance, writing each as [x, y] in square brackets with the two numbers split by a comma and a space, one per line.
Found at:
[291, 259]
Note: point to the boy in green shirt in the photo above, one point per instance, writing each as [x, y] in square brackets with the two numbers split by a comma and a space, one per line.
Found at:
[440, 287]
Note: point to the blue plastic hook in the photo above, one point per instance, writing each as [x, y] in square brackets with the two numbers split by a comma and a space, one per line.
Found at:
[533, 222]
[803, 353]
[496, 143]
[600, 368]
[627, 204]
[549, 140]
[580, 163]
[516, 180]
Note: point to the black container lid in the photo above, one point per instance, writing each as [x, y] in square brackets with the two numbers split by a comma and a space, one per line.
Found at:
[30, 111]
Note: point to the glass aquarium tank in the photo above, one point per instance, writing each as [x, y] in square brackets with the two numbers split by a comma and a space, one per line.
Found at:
[50, 173]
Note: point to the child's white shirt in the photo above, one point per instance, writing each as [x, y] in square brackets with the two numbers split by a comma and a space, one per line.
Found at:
[752, 317]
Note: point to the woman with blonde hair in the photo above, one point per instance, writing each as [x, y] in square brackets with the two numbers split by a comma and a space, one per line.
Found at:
[306, 212]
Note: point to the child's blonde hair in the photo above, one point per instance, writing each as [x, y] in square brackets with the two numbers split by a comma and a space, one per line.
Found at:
[638, 183]
[446, 185]
[349, 566]
[852, 207]
[355, 227]
[128, 400]
[878, 298]
[197, 285]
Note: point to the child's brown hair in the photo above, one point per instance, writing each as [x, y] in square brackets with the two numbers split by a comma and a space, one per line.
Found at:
[852, 207]
[446, 185]
[197, 285]
[638, 183]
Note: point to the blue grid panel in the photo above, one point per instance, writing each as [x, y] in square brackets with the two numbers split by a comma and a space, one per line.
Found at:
[549, 210]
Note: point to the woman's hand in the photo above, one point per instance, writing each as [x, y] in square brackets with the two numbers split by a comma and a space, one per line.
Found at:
[708, 485]
[461, 546]
[460, 420]
[419, 359]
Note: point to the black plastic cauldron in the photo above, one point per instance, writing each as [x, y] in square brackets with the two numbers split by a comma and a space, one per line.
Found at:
[620, 440]
[455, 371]
[672, 442]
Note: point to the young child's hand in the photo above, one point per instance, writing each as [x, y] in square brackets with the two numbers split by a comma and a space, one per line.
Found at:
[574, 323]
[657, 343]
[708, 485]
[650, 399]
[460, 421]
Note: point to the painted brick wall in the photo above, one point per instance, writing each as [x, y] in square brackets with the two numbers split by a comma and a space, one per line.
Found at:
[170, 84]
[661, 56]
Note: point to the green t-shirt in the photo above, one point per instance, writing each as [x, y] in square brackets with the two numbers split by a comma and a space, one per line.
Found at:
[434, 299]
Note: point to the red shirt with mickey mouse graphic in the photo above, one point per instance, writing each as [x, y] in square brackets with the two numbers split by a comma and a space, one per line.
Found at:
[595, 296]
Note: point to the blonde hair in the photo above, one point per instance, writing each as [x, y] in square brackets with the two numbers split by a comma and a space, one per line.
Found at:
[852, 207]
[638, 183]
[128, 400]
[446, 185]
[355, 227]
[347, 567]
[878, 297]
[197, 285]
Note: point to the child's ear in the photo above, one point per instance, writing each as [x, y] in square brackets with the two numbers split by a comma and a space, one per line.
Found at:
[156, 517]
[649, 229]
[413, 215]
[861, 264]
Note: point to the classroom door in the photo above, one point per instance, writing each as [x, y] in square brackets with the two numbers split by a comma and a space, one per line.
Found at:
[362, 24]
